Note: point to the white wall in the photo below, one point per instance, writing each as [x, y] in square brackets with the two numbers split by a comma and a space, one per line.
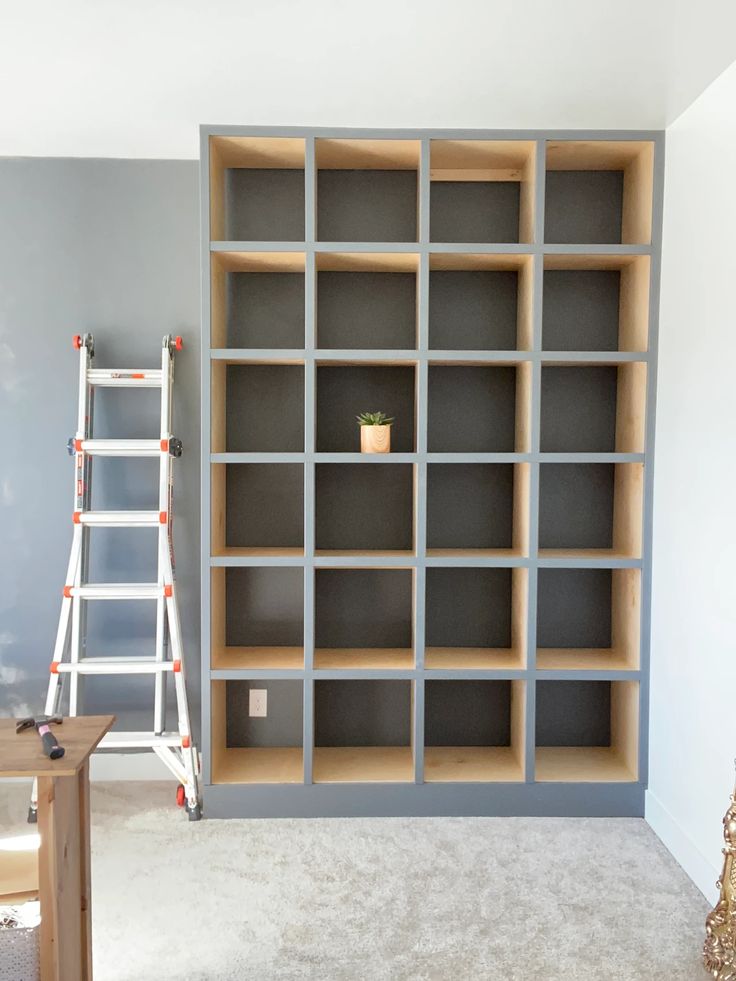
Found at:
[693, 681]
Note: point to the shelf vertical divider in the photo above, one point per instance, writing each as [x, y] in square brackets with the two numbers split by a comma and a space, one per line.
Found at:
[420, 477]
[205, 197]
[535, 428]
[310, 427]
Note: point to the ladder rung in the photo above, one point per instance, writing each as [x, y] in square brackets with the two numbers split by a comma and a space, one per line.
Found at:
[118, 591]
[110, 665]
[122, 447]
[125, 377]
[138, 740]
[120, 519]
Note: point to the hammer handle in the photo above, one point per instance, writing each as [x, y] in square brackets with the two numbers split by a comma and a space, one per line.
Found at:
[51, 746]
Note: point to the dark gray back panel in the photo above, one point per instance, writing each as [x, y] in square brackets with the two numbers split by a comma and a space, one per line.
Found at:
[468, 607]
[363, 608]
[573, 713]
[364, 505]
[264, 505]
[471, 409]
[343, 392]
[362, 713]
[281, 726]
[367, 206]
[582, 206]
[578, 409]
[264, 607]
[264, 205]
[366, 310]
[580, 309]
[467, 713]
[472, 310]
[265, 408]
[576, 505]
[474, 211]
[470, 505]
[574, 608]
[265, 309]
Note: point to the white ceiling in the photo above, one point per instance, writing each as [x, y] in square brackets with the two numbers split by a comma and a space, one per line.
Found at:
[135, 78]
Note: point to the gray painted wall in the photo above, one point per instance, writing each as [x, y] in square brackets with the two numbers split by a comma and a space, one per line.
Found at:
[111, 247]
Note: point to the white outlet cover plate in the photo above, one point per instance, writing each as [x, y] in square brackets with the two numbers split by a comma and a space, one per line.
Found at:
[257, 702]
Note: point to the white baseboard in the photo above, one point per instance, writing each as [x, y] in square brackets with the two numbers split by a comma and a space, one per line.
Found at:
[682, 848]
[128, 766]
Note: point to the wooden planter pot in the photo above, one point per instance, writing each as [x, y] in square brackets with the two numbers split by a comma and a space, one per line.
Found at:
[375, 439]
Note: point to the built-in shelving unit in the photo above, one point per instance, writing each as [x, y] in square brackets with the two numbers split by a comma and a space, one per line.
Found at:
[459, 626]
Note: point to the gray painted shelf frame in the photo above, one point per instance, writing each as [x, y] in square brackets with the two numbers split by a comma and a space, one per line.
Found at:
[373, 710]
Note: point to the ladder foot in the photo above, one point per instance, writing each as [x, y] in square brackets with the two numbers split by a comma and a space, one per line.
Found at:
[194, 812]
[32, 815]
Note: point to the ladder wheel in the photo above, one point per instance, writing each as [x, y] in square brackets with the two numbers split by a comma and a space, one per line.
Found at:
[194, 813]
[32, 815]
[178, 342]
[77, 341]
[180, 795]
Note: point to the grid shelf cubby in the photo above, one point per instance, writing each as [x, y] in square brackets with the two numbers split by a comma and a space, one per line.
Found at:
[478, 509]
[257, 750]
[587, 731]
[362, 731]
[257, 618]
[257, 509]
[257, 300]
[257, 408]
[590, 510]
[350, 633]
[345, 390]
[367, 190]
[347, 517]
[595, 303]
[474, 731]
[475, 618]
[478, 408]
[588, 619]
[459, 626]
[480, 302]
[599, 192]
[481, 191]
[257, 189]
[367, 300]
[593, 408]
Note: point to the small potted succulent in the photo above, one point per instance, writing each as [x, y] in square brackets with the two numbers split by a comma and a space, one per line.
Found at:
[375, 432]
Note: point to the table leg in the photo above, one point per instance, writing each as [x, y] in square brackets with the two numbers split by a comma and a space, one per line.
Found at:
[85, 871]
[64, 898]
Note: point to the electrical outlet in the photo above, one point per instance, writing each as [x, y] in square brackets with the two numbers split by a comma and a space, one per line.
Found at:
[257, 702]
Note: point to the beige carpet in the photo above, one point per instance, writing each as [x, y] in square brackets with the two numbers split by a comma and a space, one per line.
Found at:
[440, 899]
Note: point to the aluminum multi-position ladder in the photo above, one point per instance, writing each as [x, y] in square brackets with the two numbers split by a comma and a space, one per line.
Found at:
[175, 748]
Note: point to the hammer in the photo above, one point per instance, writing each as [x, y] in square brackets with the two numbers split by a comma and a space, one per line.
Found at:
[42, 724]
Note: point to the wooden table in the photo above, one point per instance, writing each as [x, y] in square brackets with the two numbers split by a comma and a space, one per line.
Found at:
[63, 824]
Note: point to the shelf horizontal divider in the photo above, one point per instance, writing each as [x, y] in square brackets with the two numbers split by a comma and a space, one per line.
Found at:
[365, 457]
[363, 764]
[260, 658]
[472, 764]
[581, 764]
[590, 248]
[258, 355]
[473, 658]
[263, 764]
[227, 246]
[358, 658]
[585, 659]
[232, 561]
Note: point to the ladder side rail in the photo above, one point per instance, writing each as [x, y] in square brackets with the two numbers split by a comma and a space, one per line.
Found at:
[81, 491]
[160, 683]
